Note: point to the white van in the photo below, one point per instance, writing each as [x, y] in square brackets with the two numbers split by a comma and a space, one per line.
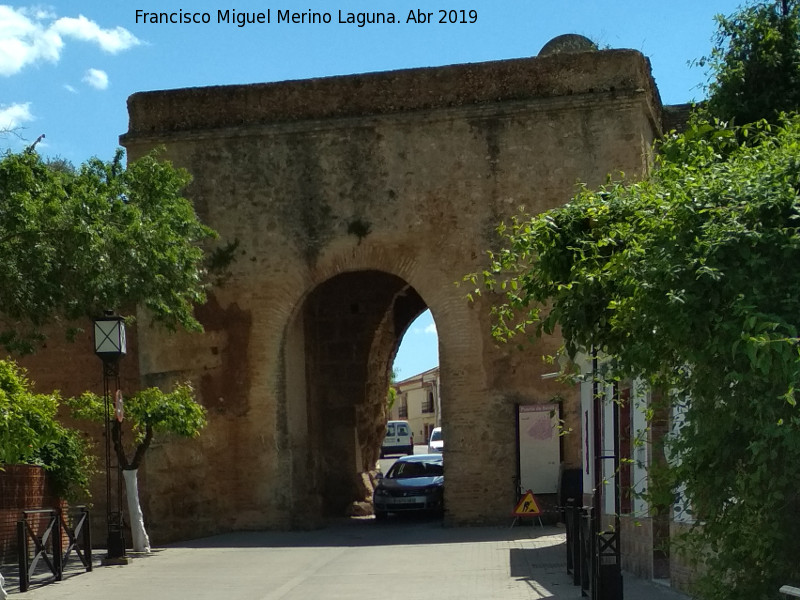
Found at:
[398, 439]
[436, 443]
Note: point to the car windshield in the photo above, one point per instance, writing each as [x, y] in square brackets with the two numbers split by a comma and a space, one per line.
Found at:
[436, 436]
[409, 469]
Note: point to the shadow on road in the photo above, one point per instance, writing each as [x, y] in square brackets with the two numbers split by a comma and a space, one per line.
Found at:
[366, 531]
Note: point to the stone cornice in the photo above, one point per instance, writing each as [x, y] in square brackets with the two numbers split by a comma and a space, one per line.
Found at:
[158, 113]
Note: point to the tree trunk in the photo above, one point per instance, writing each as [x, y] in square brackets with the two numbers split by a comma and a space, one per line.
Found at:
[141, 543]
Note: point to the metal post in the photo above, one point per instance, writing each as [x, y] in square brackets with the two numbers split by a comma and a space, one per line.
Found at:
[22, 556]
[606, 572]
[597, 491]
[115, 527]
[617, 483]
[58, 556]
[87, 538]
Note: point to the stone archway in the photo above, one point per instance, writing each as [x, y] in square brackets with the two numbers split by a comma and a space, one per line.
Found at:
[330, 186]
[340, 348]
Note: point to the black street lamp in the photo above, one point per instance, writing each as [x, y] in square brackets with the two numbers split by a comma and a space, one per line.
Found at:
[110, 346]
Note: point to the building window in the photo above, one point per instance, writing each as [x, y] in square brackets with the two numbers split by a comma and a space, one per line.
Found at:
[402, 411]
[427, 406]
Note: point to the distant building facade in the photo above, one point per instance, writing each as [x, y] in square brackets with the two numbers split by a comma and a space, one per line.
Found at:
[418, 402]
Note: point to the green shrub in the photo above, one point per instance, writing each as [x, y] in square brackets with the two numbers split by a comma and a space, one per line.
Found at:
[30, 433]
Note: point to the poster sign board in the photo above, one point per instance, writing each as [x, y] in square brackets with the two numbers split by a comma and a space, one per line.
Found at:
[539, 448]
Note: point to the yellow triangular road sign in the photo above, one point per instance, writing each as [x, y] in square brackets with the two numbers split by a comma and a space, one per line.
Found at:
[527, 506]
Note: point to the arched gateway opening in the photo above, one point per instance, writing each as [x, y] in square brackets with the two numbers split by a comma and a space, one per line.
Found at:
[339, 352]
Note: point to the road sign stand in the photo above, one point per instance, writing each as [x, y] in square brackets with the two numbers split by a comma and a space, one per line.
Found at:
[514, 522]
[527, 507]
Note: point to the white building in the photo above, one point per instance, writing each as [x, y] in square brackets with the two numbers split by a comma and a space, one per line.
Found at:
[419, 403]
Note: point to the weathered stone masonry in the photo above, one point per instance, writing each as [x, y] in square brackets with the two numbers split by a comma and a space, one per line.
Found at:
[358, 202]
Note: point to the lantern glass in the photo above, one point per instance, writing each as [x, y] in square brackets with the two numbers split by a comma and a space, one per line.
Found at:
[109, 337]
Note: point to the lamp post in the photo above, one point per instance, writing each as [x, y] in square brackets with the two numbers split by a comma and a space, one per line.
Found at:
[110, 346]
[606, 545]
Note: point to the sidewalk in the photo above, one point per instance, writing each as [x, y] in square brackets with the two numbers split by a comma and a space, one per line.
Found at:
[350, 559]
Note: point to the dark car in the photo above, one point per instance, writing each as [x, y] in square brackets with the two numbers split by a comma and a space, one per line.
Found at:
[413, 483]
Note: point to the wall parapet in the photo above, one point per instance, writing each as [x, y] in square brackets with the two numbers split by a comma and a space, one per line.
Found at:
[390, 92]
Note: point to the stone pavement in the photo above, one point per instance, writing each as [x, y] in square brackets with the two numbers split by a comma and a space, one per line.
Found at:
[349, 559]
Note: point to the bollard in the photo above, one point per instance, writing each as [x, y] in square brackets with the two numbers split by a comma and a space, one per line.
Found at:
[22, 555]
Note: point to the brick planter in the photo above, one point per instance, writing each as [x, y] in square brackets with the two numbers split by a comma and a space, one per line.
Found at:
[22, 487]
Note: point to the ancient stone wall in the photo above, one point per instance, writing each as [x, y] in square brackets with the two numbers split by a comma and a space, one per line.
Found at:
[357, 202]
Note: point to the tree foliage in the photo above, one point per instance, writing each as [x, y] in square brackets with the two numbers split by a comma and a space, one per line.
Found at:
[689, 279]
[149, 412]
[76, 242]
[30, 433]
[755, 63]
[391, 395]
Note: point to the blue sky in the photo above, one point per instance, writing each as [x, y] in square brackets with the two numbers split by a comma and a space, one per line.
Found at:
[67, 68]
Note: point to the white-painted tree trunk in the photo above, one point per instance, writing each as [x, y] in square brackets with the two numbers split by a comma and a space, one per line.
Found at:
[3, 593]
[141, 543]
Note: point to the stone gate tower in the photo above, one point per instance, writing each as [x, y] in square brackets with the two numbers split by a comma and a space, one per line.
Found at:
[357, 202]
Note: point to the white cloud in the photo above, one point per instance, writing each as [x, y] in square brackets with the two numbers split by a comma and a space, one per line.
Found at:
[29, 36]
[110, 40]
[69, 88]
[428, 329]
[96, 78]
[24, 41]
[14, 115]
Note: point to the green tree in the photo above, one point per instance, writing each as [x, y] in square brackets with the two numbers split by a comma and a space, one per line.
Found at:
[30, 433]
[148, 412]
[755, 63]
[391, 395]
[75, 242]
[689, 279]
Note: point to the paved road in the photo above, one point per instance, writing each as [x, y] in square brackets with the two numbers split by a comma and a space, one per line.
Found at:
[350, 559]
